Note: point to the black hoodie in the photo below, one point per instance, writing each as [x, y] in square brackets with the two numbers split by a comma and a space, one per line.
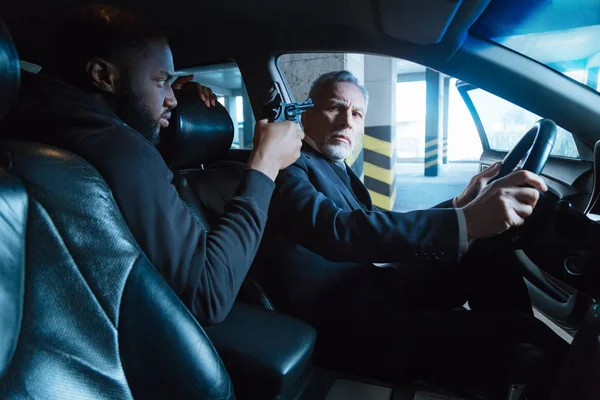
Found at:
[205, 269]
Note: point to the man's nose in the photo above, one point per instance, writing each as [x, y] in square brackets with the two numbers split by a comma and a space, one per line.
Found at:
[170, 100]
[346, 119]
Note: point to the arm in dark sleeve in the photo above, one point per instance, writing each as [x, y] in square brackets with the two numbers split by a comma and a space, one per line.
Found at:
[205, 269]
[316, 223]
[463, 234]
[445, 204]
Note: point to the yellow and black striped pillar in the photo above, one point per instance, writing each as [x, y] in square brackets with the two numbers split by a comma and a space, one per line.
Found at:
[431, 156]
[380, 164]
[445, 153]
[433, 122]
[381, 78]
[356, 160]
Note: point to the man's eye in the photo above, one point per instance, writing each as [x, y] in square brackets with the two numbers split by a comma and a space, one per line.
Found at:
[358, 115]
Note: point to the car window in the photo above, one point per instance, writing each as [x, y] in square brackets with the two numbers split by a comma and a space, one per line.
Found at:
[226, 82]
[504, 123]
[403, 151]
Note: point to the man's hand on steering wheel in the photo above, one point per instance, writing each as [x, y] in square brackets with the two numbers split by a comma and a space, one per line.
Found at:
[477, 184]
[503, 204]
[509, 196]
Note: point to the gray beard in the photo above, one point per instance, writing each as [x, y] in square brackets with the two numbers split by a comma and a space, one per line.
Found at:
[336, 152]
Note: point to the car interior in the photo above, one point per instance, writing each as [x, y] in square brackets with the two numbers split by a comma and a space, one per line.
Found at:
[84, 314]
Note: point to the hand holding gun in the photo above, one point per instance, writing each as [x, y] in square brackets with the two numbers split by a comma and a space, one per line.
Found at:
[291, 111]
[277, 110]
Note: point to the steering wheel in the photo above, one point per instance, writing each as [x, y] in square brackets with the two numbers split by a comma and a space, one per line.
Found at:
[535, 147]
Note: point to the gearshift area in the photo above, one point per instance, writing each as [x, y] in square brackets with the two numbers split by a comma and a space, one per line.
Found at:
[526, 367]
[580, 376]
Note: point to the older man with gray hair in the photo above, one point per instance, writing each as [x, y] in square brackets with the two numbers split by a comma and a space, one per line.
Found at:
[325, 241]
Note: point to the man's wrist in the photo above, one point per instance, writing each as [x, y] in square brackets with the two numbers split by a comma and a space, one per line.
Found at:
[463, 231]
[259, 163]
[457, 202]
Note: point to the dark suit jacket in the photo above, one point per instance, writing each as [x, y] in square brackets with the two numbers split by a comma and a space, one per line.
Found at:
[205, 269]
[320, 241]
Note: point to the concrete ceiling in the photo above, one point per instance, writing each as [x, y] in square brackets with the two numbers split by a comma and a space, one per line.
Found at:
[223, 79]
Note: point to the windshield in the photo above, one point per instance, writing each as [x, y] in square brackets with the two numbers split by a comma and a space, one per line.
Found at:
[563, 34]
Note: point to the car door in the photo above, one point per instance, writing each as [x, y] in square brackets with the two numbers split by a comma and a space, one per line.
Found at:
[500, 124]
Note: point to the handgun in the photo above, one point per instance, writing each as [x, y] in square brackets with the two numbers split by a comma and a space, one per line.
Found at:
[291, 111]
[277, 110]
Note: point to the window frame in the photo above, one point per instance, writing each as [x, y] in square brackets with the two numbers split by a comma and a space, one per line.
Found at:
[464, 88]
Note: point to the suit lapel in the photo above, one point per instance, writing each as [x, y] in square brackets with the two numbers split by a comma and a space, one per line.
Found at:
[323, 166]
[360, 190]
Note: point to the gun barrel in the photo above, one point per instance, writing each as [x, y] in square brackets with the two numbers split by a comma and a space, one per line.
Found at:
[293, 110]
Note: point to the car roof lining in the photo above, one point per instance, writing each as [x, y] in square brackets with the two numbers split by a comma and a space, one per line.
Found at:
[195, 33]
[285, 36]
[270, 24]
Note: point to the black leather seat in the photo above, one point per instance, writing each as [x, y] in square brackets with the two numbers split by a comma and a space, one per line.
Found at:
[13, 217]
[267, 354]
[97, 320]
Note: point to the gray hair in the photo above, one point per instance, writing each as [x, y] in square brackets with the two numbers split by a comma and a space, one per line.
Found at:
[337, 76]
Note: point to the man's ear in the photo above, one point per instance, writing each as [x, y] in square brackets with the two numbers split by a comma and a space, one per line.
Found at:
[103, 75]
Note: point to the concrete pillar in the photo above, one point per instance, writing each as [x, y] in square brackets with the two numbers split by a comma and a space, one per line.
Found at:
[380, 130]
[446, 103]
[301, 70]
[355, 63]
[433, 121]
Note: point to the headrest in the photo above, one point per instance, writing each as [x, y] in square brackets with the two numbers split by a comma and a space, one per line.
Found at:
[196, 135]
[9, 71]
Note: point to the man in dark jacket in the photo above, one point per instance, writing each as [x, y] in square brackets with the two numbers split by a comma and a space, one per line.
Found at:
[381, 287]
[114, 96]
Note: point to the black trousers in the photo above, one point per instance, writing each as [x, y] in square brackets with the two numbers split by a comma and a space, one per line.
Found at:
[411, 328]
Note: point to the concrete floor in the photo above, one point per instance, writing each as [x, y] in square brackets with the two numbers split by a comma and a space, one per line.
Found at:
[415, 191]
